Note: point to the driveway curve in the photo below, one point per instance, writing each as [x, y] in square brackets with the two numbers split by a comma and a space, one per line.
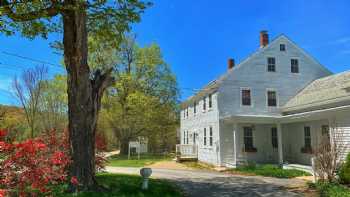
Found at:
[199, 183]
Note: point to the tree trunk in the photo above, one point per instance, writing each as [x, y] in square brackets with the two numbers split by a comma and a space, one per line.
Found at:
[124, 147]
[84, 97]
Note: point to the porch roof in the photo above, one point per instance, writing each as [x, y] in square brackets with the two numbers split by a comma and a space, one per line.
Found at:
[323, 93]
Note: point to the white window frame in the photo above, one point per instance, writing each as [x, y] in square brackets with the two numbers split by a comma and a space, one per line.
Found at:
[267, 97]
[285, 47]
[204, 100]
[290, 65]
[211, 134]
[241, 98]
[205, 142]
[267, 64]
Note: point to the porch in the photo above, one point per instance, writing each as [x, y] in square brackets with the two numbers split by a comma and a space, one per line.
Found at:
[186, 152]
[270, 140]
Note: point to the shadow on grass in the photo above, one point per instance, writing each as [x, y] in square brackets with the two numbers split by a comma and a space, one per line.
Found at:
[127, 186]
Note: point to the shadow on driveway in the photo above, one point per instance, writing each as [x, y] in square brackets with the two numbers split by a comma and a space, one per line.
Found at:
[231, 186]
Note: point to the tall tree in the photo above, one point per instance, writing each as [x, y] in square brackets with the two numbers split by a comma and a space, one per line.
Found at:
[101, 19]
[143, 97]
[28, 90]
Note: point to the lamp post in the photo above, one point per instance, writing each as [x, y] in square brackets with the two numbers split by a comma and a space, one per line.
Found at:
[145, 173]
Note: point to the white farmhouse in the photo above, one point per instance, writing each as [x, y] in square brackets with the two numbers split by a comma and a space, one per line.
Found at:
[273, 107]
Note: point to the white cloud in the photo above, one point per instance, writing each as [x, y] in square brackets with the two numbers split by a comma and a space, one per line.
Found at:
[342, 40]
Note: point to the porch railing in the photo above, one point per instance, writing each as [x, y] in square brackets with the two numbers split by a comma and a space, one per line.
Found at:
[187, 150]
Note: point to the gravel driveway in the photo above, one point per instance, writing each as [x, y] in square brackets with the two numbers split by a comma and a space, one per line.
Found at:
[198, 183]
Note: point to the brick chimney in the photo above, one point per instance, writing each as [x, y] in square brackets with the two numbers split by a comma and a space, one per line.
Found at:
[230, 63]
[264, 39]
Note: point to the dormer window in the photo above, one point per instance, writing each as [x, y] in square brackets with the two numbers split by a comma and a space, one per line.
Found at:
[282, 47]
[271, 64]
[294, 65]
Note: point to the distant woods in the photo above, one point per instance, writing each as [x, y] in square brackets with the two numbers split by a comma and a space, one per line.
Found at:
[142, 101]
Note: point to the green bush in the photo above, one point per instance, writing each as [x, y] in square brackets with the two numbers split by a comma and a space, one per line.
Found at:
[332, 189]
[344, 173]
[271, 171]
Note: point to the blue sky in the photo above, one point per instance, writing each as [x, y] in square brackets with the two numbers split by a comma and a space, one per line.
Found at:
[197, 37]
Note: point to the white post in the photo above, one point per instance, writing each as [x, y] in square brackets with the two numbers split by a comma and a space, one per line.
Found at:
[129, 151]
[235, 143]
[280, 148]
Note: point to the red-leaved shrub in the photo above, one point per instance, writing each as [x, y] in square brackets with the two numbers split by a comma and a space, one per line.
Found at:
[34, 165]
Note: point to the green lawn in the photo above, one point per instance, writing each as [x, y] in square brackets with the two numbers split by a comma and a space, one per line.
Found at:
[270, 171]
[128, 186]
[123, 161]
[331, 189]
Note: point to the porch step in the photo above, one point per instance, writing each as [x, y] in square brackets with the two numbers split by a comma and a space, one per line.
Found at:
[304, 168]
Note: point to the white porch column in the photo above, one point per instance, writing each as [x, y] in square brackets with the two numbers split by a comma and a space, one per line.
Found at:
[280, 148]
[235, 143]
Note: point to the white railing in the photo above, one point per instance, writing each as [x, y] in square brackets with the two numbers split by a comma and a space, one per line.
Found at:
[187, 150]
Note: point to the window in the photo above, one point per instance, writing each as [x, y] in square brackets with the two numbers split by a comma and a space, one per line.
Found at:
[271, 64]
[184, 137]
[210, 101]
[205, 136]
[307, 137]
[274, 138]
[187, 112]
[271, 98]
[282, 47]
[194, 137]
[246, 98]
[248, 138]
[184, 111]
[195, 107]
[204, 104]
[211, 136]
[325, 131]
[187, 137]
[294, 66]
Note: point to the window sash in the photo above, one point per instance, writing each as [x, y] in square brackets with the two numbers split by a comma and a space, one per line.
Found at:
[210, 100]
[294, 65]
[271, 64]
[307, 137]
[211, 136]
[274, 137]
[271, 98]
[195, 107]
[248, 137]
[282, 47]
[246, 97]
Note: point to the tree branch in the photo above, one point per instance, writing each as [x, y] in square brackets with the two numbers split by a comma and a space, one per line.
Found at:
[51, 11]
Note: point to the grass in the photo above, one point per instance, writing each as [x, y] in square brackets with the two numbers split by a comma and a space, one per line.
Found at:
[331, 189]
[269, 171]
[127, 186]
[145, 159]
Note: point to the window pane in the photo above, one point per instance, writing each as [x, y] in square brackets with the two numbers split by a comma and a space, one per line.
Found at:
[246, 99]
[282, 47]
[204, 103]
[274, 137]
[248, 137]
[210, 100]
[271, 64]
[271, 98]
[294, 65]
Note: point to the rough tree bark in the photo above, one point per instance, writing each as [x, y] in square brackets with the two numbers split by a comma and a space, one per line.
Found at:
[84, 95]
